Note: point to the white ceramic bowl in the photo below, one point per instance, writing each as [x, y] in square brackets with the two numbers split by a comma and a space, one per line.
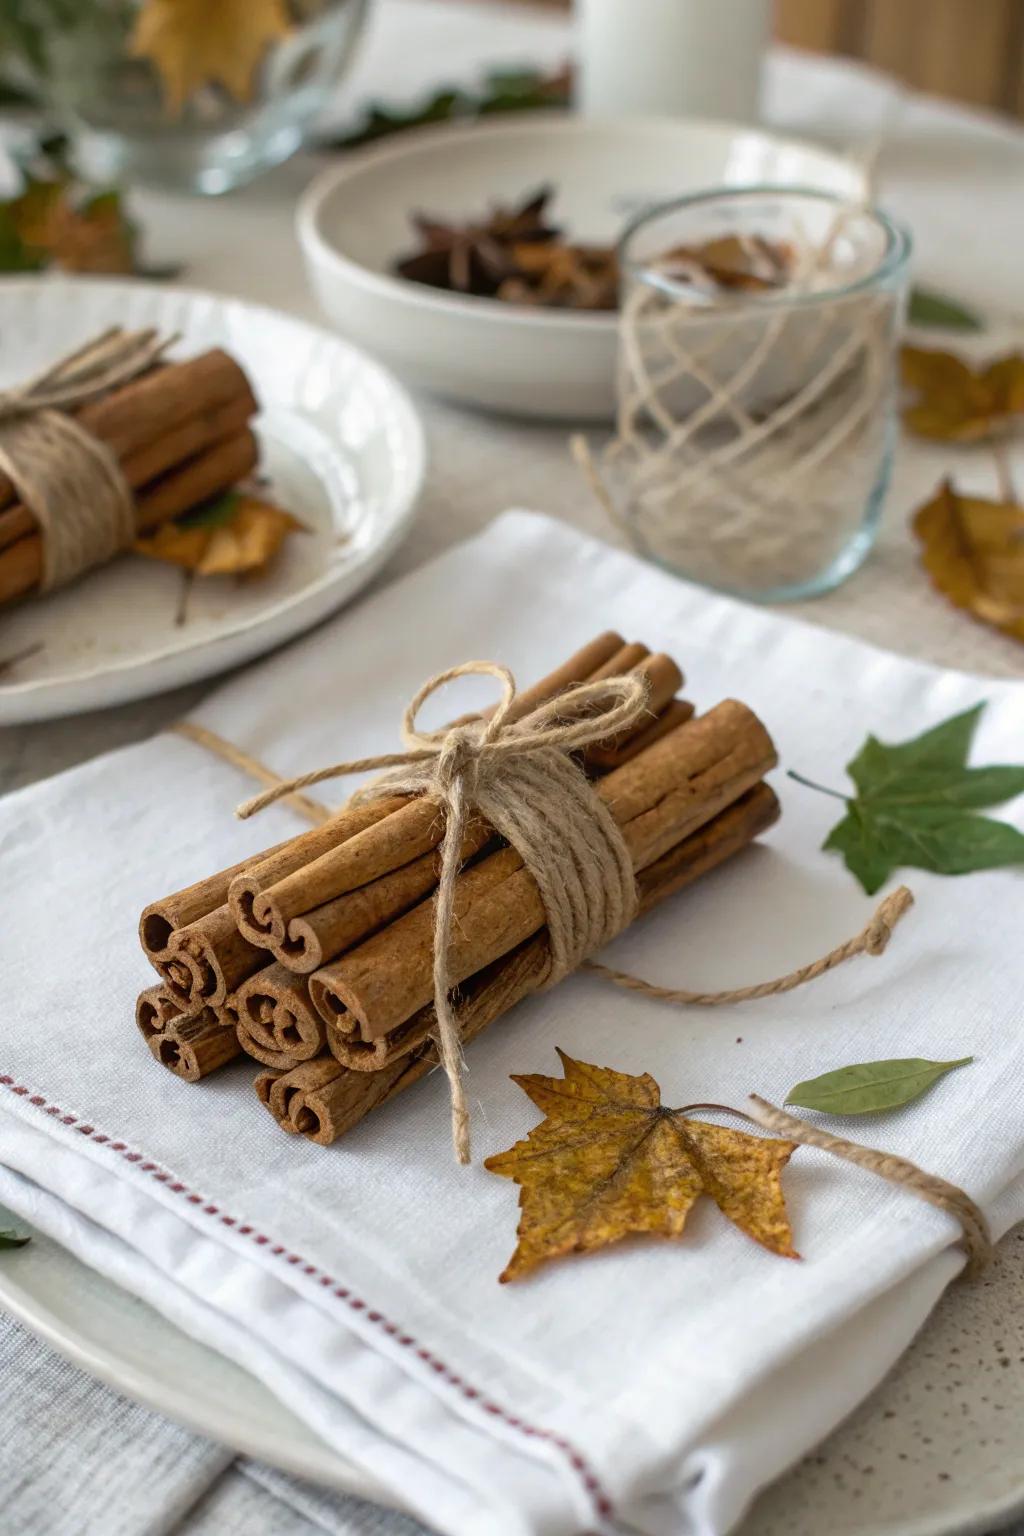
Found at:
[354, 221]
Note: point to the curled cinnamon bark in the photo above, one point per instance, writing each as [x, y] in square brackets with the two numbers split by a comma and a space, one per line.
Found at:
[277, 1023]
[192, 1047]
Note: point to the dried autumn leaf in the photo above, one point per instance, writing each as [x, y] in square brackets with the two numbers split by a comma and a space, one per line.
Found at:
[611, 1160]
[193, 43]
[94, 238]
[51, 227]
[235, 534]
[956, 403]
[973, 550]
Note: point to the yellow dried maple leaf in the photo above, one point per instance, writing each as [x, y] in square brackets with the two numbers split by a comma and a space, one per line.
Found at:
[611, 1160]
[91, 236]
[195, 42]
[236, 534]
[956, 403]
[973, 550]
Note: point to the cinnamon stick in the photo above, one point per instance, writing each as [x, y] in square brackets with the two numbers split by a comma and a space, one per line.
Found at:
[318, 936]
[208, 961]
[657, 800]
[155, 1009]
[161, 919]
[676, 712]
[277, 1023]
[323, 1105]
[247, 882]
[191, 1048]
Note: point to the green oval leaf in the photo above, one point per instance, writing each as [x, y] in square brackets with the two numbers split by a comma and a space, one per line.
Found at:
[871, 1086]
[927, 308]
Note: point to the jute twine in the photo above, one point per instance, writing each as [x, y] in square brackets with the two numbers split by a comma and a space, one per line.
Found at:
[70, 480]
[976, 1239]
[521, 779]
[750, 435]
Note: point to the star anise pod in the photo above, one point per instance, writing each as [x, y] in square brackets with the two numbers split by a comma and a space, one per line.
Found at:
[476, 257]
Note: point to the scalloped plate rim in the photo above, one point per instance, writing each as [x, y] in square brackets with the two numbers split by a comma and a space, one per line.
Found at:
[140, 677]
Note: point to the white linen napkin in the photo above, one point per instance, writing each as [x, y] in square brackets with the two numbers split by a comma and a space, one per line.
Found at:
[652, 1387]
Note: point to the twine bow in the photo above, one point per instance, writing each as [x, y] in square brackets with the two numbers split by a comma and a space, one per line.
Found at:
[69, 478]
[519, 776]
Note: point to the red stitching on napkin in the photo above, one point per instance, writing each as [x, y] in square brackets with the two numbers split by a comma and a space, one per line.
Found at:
[599, 1498]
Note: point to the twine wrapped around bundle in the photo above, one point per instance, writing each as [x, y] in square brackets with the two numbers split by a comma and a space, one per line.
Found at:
[67, 476]
[519, 776]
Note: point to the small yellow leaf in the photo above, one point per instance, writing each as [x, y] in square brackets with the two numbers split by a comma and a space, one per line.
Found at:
[609, 1160]
[973, 550]
[245, 541]
[955, 403]
[91, 236]
[193, 43]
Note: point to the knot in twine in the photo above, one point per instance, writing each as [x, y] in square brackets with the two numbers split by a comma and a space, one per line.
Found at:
[518, 775]
[70, 480]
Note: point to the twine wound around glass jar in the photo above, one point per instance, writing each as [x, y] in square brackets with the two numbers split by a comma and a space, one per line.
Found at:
[751, 434]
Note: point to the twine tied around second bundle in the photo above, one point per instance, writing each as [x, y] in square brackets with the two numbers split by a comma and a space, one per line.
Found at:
[518, 775]
[67, 477]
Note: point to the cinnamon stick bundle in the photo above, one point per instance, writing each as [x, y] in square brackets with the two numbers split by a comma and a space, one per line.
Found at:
[315, 956]
[657, 799]
[323, 1099]
[180, 434]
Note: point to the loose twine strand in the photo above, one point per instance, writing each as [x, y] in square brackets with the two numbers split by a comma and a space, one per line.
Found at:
[872, 940]
[976, 1239]
[450, 763]
[70, 479]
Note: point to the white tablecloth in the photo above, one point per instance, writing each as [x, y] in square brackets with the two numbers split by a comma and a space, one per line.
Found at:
[955, 177]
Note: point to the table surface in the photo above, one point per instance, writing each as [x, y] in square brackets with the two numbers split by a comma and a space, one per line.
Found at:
[952, 175]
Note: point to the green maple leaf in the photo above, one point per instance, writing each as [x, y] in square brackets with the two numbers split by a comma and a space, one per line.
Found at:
[915, 805]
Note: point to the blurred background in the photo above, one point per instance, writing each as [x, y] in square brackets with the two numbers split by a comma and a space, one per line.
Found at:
[969, 50]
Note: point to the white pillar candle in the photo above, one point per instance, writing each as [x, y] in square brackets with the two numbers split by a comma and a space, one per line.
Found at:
[694, 58]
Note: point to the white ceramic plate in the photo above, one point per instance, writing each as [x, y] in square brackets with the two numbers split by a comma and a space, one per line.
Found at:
[354, 221]
[934, 1452]
[344, 450]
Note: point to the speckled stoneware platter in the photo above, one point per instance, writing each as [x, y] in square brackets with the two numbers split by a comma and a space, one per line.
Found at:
[936, 1450]
[340, 442]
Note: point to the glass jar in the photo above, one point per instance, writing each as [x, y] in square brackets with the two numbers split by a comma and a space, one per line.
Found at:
[756, 424]
[204, 113]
